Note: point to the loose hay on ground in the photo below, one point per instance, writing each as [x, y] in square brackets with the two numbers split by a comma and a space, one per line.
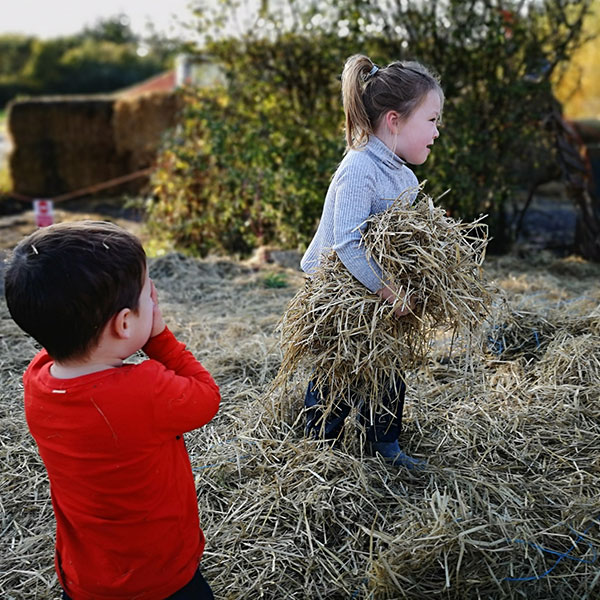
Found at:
[508, 507]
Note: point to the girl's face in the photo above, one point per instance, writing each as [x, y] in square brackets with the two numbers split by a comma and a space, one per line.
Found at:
[415, 135]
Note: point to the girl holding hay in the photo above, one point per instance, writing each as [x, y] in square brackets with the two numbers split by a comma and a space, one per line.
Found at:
[392, 115]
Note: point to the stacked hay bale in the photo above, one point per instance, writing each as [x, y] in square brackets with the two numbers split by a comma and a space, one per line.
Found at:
[61, 144]
[139, 124]
[68, 143]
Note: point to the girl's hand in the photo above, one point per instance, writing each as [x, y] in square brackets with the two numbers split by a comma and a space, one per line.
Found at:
[158, 323]
[405, 305]
[409, 306]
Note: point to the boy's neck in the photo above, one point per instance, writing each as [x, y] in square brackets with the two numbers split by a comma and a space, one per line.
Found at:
[108, 353]
[78, 369]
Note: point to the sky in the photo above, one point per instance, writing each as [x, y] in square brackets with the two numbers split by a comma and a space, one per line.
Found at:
[53, 18]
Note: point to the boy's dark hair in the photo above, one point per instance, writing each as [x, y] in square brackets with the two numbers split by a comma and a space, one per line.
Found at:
[65, 282]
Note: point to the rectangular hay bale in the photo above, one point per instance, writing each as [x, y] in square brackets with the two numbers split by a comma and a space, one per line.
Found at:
[63, 144]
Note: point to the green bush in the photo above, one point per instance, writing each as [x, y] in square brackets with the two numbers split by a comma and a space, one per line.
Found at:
[103, 66]
[251, 163]
[248, 165]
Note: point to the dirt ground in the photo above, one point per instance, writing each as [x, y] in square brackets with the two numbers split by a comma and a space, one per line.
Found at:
[13, 227]
[16, 225]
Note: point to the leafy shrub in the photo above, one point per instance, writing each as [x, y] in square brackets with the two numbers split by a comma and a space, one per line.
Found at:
[248, 165]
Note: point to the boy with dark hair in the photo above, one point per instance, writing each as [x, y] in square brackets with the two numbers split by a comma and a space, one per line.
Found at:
[110, 433]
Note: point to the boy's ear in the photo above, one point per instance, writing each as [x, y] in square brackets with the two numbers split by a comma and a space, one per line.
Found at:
[120, 324]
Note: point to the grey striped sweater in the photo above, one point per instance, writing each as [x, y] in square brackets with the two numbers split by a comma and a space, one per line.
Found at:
[365, 183]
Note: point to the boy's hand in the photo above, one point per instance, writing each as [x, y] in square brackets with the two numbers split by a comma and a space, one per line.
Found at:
[158, 324]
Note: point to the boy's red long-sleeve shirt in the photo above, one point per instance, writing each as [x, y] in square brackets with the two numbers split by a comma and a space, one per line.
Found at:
[120, 478]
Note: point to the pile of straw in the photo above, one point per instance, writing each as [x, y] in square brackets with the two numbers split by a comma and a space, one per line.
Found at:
[572, 360]
[522, 333]
[526, 334]
[508, 506]
[351, 338]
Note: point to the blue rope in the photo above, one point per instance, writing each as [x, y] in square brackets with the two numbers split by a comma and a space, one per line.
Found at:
[497, 345]
[560, 555]
[356, 592]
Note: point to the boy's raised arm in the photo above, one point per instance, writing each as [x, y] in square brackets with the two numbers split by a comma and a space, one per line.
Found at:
[185, 391]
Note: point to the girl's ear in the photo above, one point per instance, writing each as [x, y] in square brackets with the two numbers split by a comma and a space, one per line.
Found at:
[393, 121]
[120, 324]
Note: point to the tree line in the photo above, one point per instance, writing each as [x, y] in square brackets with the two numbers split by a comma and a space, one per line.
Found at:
[101, 58]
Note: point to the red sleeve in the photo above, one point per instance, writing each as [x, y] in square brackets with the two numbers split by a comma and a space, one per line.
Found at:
[185, 395]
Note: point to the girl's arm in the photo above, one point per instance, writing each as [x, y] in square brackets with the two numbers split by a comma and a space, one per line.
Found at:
[355, 192]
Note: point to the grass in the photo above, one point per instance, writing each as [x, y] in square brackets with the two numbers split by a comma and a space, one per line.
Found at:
[275, 280]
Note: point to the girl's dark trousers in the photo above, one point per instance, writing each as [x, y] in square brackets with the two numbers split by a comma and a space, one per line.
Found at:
[385, 425]
[196, 589]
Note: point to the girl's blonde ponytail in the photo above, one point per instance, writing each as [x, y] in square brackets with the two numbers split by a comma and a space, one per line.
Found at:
[358, 125]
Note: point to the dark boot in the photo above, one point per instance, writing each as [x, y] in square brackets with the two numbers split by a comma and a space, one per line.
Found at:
[393, 455]
[383, 432]
[386, 423]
